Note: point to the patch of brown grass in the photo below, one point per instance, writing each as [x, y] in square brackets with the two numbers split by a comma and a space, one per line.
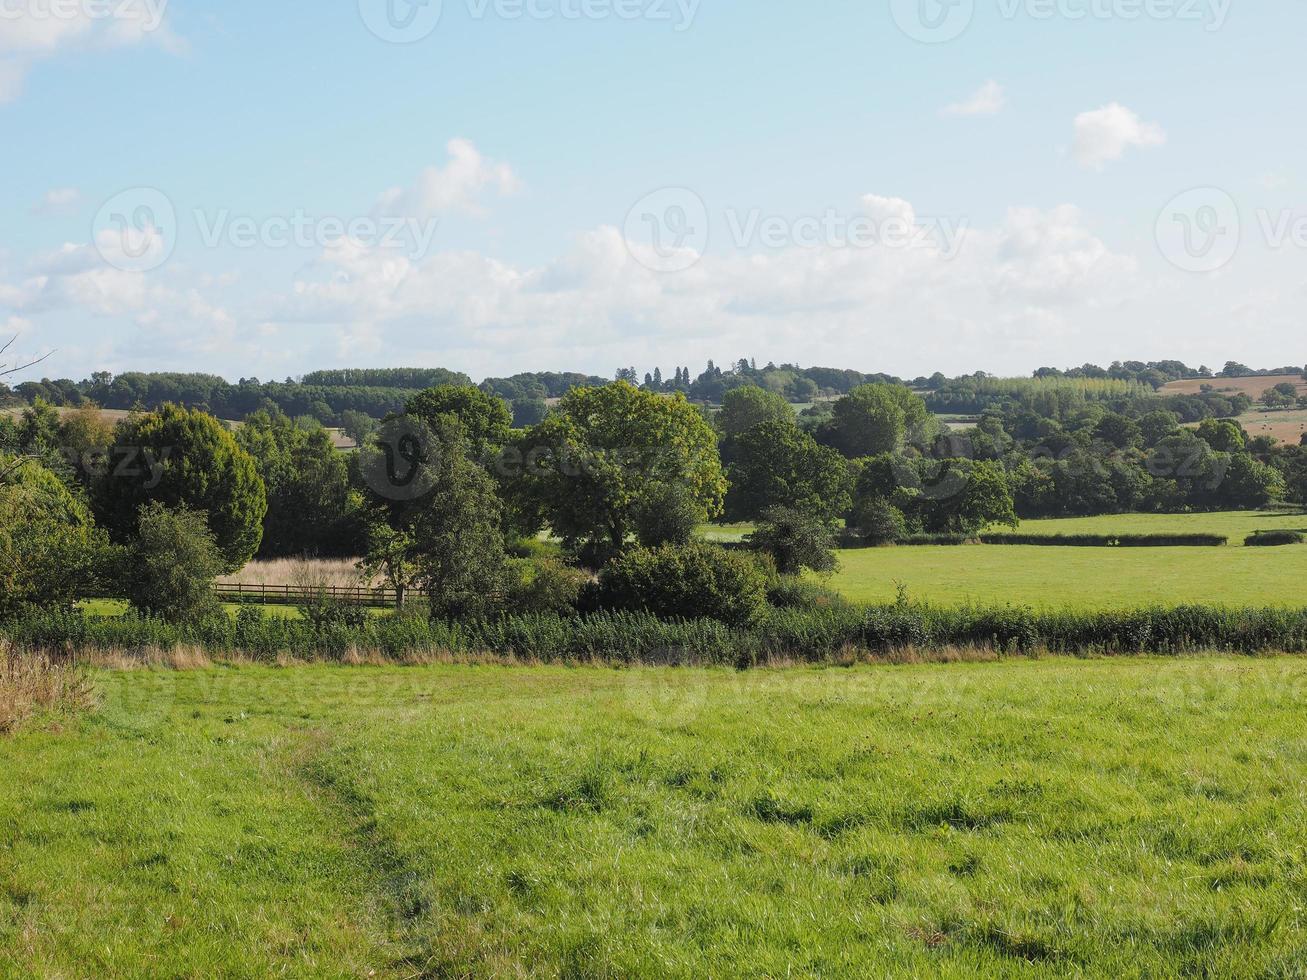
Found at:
[33, 684]
[1254, 388]
[295, 571]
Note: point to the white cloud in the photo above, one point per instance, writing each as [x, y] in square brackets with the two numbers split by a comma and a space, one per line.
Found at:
[1038, 286]
[455, 187]
[988, 100]
[1104, 135]
[882, 209]
[35, 32]
[60, 200]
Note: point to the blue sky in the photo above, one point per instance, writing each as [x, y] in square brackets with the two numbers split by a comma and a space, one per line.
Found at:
[831, 184]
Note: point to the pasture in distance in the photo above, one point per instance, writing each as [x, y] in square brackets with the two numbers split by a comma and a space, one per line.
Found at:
[1092, 578]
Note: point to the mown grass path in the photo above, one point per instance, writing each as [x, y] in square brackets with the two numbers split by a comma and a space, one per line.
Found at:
[1013, 818]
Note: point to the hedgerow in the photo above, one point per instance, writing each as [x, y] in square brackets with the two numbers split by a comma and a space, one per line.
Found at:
[1110, 540]
[812, 635]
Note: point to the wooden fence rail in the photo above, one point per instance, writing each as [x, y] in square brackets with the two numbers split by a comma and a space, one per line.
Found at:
[293, 595]
[290, 595]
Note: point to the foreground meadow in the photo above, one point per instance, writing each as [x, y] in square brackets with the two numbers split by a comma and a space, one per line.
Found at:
[1140, 817]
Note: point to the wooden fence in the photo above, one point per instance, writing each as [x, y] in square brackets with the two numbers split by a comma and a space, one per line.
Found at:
[293, 595]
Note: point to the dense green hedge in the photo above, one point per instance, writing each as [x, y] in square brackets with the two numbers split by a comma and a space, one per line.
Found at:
[1110, 540]
[807, 634]
[1268, 539]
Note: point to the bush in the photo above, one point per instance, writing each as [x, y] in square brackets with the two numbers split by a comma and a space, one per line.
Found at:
[879, 521]
[544, 585]
[795, 541]
[1274, 538]
[792, 592]
[694, 581]
[168, 570]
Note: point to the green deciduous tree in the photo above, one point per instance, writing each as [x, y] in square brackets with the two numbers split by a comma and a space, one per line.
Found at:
[878, 418]
[311, 507]
[183, 459]
[776, 464]
[484, 417]
[606, 456]
[50, 552]
[745, 407]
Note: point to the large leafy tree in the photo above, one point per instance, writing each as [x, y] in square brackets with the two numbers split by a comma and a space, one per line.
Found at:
[777, 464]
[485, 418]
[610, 454]
[878, 418]
[951, 496]
[445, 539]
[311, 507]
[49, 548]
[183, 458]
[745, 407]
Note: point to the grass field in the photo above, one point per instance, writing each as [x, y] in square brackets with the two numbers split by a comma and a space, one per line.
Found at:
[1093, 578]
[1016, 818]
[1288, 426]
[1253, 387]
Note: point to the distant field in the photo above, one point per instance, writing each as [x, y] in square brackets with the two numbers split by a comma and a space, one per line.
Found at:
[1288, 427]
[110, 415]
[1252, 387]
[1092, 578]
[1024, 818]
[114, 415]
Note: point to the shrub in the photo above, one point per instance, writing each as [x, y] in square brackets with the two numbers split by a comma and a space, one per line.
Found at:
[1274, 538]
[694, 581]
[168, 570]
[544, 585]
[796, 541]
[792, 592]
[879, 521]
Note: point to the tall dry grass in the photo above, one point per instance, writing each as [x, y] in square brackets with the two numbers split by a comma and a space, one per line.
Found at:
[340, 572]
[35, 684]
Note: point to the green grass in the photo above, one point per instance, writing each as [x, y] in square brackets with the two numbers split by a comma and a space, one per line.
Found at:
[1016, 818]
[1093, 578]
[726, 532]
[1236, 525]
